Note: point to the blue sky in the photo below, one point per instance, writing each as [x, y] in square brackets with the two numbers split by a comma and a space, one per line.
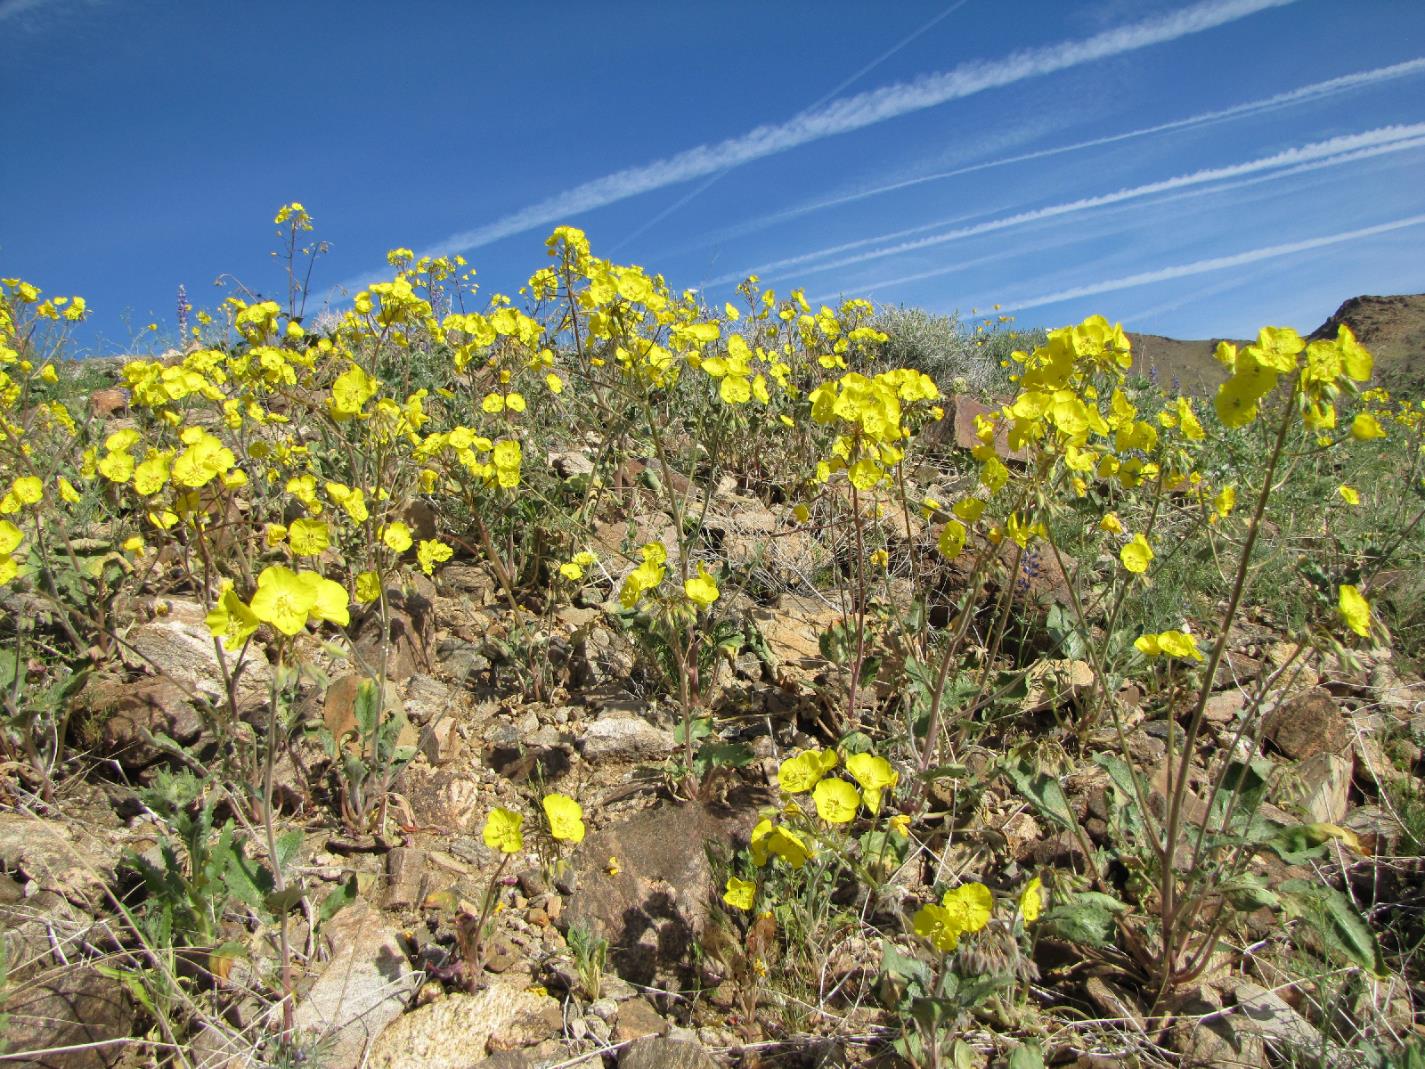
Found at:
[1193, 169]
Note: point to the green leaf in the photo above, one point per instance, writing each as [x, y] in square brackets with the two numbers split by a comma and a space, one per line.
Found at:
[700, 728]
[285, 900]
[367, 708]
[1026, 1056]
[1084, 917]
[904, 976]
[1248, 891]
[9, 668]
[1041, 790]
[340, 896]
[835, 643]
[287, 846]
[721, 754]
[1341, 928]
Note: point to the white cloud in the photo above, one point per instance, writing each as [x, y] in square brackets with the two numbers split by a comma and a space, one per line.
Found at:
[1334, 150]
[851, 113]
[1216, 263]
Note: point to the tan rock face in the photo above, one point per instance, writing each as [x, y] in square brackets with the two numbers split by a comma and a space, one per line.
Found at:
[178, 645]
[1308, 724]
[361, 989]
[460, 1030]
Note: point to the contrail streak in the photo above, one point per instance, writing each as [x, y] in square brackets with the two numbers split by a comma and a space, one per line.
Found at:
[1302, 168]
[1392, 138]
[852, 113]
[1217, 263]
[841, 86]
[1315, 91]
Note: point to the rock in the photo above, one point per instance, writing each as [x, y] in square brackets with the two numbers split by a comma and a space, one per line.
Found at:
[58, 856]
[745, 532]
[1308, 724]
[957, 427]
[1267, 1015]
[792, 630]
[509, 1059]
[1053, 683]
[659, 1052]
[569, 464]
[107, 404]
[179, 645]
[68, 1007]
[440, 740]
[405, 870]
[449, 798]
[464, 662]
[459, 1030]
[128, 715]
[408, 638]
[1209, 1038]
[1379, 830]
[657, 903]
[636, 1019]
[362, 988]
[626, 738]
[1325, 783]
[213, 1047]
[427, 698]
[1224, 706]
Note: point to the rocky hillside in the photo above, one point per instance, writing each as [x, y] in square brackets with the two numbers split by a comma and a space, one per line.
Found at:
[1392, 328]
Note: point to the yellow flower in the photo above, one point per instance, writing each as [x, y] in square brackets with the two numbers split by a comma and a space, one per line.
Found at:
[1348, 494]
[26, 490]
[397, 537]
[283, 599]
[1031, 900]
[1172, 643]
[836, 801]
[308, 537]
[701, 589]
[1111, 523]
[935, 924]
[952, 539]
[802, 772]
[740, 894]
[502, 830]
[231, 621]
[566, 818]
[1365, 427]
[969, 509]
[769, 840]
[571, 571]
[350, 392]
[368, 587]
[204, 460]
[900, 824]
[1355, 610]
[432, 552]
[10, 538]
[67, 491]
[969, 906]
[875, 774]
[1136, 555]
